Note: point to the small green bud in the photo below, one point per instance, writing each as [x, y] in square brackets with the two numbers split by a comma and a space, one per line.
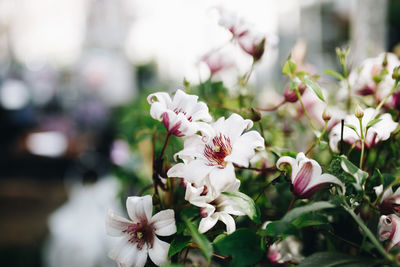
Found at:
[396, 73]
[359, 112]
[326, 115]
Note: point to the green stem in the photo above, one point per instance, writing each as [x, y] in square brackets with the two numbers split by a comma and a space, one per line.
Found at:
[318, 139]
[387, 96]
[369, 234]
[362, 144]
[304, 108]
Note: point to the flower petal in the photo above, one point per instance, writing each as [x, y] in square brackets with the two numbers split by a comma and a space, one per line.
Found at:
[318, 182]
[302, 178]
[159, 252]
[164, 222]
[220, 179]
[115, 224]
[233, 127]
[285, 160]
[243, 148]
[139, 208]
[127, 254]
[207, 223]
[228, 221]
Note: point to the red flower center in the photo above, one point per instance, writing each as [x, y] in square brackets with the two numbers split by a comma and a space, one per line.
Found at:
[218, 150]
[180, 110]
[140, 233]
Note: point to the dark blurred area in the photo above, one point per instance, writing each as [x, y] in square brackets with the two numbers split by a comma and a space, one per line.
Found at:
[58, 103]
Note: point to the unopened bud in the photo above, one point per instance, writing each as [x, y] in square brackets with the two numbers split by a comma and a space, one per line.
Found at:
[255, 115]
[302, 87]
[359, 112]
[326, 115]
[396, 73]
[385, 61]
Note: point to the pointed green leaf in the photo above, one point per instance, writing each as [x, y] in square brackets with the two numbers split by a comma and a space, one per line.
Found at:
[177, 244]
[334, 74]
[201, 240]
[373, 122]
[316, 88]
[245, 204]
[353, 170]
[289, 68]
[333, 258]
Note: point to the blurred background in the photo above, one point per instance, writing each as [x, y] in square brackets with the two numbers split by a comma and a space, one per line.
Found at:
[72, 73]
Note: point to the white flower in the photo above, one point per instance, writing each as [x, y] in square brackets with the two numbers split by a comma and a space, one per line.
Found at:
[181, 114]
[287, 250]
[139, 235]
[253, 43]
[361, 78]
[211, 157]
[380, 131]
[306, 176]
[232, 22]
[390, 201]
[388, 229]
[216, 209]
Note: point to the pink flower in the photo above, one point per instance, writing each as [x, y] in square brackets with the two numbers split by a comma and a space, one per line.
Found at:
[390, 202]
[139, 236]
[307, 177]
[233, 23]
[287, 250]
[388, 229]
[181, 114]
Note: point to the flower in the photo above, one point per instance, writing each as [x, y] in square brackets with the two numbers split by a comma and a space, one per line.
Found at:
[139, 235]
[390, 201]
[364, 78]
[287, 250]
[211, 157]
[216, 62]
[232, 22]
[387, 230]
[213, 209]
[307, 177]
[380, 131]
[179, 115]
[253, 43]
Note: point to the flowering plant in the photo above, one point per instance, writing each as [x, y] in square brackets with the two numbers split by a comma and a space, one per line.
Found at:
[221, 163]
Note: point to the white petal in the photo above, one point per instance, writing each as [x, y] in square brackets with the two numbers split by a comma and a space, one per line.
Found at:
[159, 252]
[285, 160]
[324, 178]
[178, 170]
[243, 148]
[164, 222]
[207, 223]
[197, 170]
[139, 208]
[126, 253]
[234, 126]
[221, 179]
[229, 221]
[141, 257]
[115, 224]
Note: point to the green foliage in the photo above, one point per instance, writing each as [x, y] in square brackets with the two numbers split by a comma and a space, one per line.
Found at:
[332, 258]
[289, 68]
[201, 240]
[246, 204]
[243, 246]
[315, 87]
[359, 175]
[177, 244]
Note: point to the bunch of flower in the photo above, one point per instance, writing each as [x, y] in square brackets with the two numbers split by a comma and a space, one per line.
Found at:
[321, 166]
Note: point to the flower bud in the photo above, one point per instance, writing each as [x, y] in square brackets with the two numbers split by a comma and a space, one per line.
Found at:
[359, 112]
[385, 61]
[326, 115]
[396, 100]
[396, 73]
[291, 95]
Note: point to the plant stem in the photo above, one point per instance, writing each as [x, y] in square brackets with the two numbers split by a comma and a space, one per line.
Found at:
[369, 234]
[362, 143]
[164, 146]
[291, 203]
[386, 97]
[318, 139]
[304, 108]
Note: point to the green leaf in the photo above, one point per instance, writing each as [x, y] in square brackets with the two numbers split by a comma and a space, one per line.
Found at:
[315, 87]
[373, 122]
[170, 264]
[245, 204]
[351, 127]
[332, 258]
[271, 230]
[242, 245]
[354, 171]
[177, 244]
[310, 219]
[289, 68]
[322, 144]
[293, 84]
[334, 74]
[201, 240]
[297, 212]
